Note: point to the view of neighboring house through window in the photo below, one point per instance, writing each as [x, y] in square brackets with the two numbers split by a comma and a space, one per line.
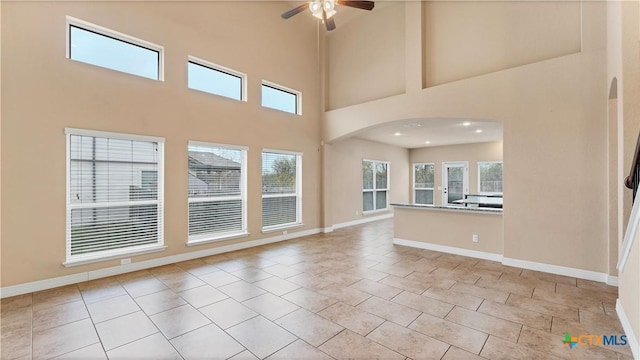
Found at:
[423, 178]
[490, 177]
[215, 79]
[114, 194]
[217, 191]
[375, 185]
[98, 46]
[278, 97]
[281, 189]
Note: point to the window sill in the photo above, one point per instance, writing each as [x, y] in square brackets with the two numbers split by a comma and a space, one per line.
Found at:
[118, 255]
[371, 212]
[217, 239]
[281, 228]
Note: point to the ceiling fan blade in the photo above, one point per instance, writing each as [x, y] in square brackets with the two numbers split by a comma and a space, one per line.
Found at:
[364, 5]
[295, 11]
[330, 24]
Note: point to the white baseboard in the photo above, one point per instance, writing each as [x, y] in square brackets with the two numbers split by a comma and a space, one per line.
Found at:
[628, 330]
[51, 283]
[612, 280]
[449, 249]
[327, 230]
[559, 270]
[362, 221]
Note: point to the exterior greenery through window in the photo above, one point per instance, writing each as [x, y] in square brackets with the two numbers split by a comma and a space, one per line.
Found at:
[423, 179]
[490, 177]
[114, 194]
[281, 189]
[375, 185]
[217, 191]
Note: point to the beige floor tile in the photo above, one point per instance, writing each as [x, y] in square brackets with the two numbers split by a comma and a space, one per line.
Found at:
[245, 355]
[376, 288]
[310, 281]
[178, 321]
[413, 286]
[261, 336]
[112, 308]
[496, 266]
[299, 350]
[499, 349]
[309, 327]
[451, 333]
[506, 286]
[529, 281]
[16, 344]
[208, 342]
[349, 345]
[197, 267]
[52, 297]
[544, 307]
[202, 296]
[241, 290]
[400, 269]
[309, 300]
[143, 286]
[454, 297]
[63, 339]
[339, 277]
[605, 322]
[585, 303]
[219, 278]
[489, 294]
[91, 352]
[251, 274]
[597, 286]
[408, 342]
[423, 303]
[352, 318]
[380, 258]
[455, 353]
[229, 265]
[182, 281]
[227, 313]
[559, 279]
[391, 311]
[468, 277]
[518, 315]
[486, 323]
[281, 271]
[276, 285]
[585, 293]
[367, 273]
[160, 301]
[20, 302]
[125, 329]
[50, 317]
[101, 289]
[270, 306]
[431, 280]
[345, 294]
[150, 347]
[552, 344]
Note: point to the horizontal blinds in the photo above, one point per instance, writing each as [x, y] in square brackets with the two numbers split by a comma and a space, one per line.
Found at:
[114, 197]
[216, 189]
[279, 189]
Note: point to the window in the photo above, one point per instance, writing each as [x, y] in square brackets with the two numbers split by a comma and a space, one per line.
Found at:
[423, 178]
[98, 46]
[216, 79]
[217, 191]
[375, 185]
[490, 177]
[114, 194]
[281, 189]
[280, 98]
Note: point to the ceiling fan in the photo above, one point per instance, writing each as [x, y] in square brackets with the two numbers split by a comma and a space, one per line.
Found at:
[325, 9]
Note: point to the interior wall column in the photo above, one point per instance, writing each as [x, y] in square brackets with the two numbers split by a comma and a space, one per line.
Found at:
[413, 46]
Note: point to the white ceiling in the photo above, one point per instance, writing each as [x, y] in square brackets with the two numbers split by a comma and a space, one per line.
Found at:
[414, 133]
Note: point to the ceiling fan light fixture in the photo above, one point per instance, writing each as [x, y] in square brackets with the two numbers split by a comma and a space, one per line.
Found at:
[316, 8]
[329, 7]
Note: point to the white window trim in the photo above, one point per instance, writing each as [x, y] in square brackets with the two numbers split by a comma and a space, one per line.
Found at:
[116, 35]
[220, 68]
[228, 235]
[488, 192]
[297, 93]
[465, 190]
[298, 222]
[413, 194]
[118, 253]
[373, 190]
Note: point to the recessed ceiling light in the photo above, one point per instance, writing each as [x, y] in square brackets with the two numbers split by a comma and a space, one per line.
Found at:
[478, 131]
[466, 123]
[427, 142]
[397, 134]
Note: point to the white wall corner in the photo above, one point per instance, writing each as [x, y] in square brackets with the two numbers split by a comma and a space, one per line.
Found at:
[365, 220]
[449, 249]
[558, 270]
[628, 330]
[327, 230]
[612, 280]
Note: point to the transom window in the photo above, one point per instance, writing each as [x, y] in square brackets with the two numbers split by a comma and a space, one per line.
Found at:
[217, 191]
[114, 194]
[281, 189]
[216, 79]
[375, 185]
[278, 97]
[423, 179]
[106, 48]
[490, 177]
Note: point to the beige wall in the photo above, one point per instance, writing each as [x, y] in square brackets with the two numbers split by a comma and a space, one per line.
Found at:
[472, 153]
[43, 92]
[346, 169]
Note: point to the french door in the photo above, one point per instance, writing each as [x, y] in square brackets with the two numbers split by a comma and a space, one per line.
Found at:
[455, 182]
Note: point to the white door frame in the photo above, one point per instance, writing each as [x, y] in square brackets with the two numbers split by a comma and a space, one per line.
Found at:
[465, 180]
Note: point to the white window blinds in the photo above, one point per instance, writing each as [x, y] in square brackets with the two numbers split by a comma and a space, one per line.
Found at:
[281, 189]
[217, 191]
[114, 195]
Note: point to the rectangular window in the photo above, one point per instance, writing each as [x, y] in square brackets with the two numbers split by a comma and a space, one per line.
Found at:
[423, 178]
[281, 98]
[216, 79]
[281, 189]
[106, 48]
[490, 177]
[217, 191]
[375, 185]
[114, 194]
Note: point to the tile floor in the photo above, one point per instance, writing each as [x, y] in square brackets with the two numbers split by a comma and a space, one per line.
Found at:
[350, 294]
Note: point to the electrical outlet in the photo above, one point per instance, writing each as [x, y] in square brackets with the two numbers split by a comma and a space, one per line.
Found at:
[125, 261]
[474, 238]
